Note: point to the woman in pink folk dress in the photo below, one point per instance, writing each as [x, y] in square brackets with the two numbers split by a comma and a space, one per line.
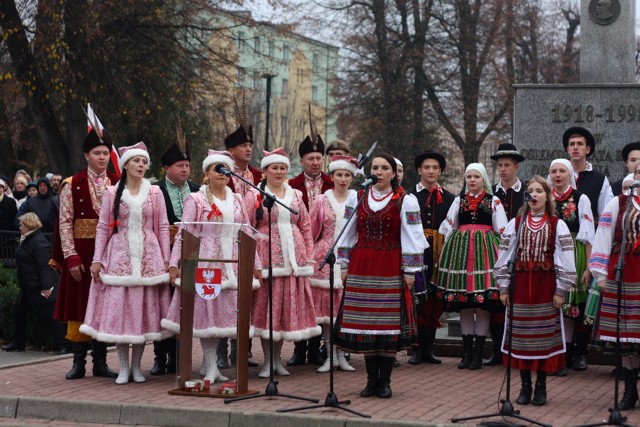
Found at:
[130, 293]
[212, 318]
[327, 215]
[292, 247]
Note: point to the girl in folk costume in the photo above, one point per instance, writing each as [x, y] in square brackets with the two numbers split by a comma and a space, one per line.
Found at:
[574, 208]
[545, 271]
[327, 215]
[213, 318]
[131, 293]
[464, 277]
[292, 248]
[381, 249]
[604, 259]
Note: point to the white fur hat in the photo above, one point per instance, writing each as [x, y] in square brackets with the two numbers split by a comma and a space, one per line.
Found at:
[279, 155]
[214, 157]
[127, 153]
[344, 163]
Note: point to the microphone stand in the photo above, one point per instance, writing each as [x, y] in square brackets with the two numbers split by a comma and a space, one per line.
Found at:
[507, 410]
[616, 418]
[331, 401]
[272, 387]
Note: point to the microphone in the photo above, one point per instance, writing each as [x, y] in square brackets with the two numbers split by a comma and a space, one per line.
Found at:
[369, 181]
[527, 196]
[635, 184]
[221, 169]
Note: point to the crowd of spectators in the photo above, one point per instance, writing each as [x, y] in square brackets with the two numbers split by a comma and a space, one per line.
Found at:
[23, 195]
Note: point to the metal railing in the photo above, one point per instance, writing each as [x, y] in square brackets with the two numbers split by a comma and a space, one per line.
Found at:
[8, 243]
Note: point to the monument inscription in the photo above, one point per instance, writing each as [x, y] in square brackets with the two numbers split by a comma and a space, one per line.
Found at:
[543, 112]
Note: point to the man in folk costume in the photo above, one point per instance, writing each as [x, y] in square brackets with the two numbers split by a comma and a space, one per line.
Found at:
[311, 182]
[80, 203]
[240, 144]
[510, 191]
[175, 187]
[631, 157]
[580, 144]
[434, 203]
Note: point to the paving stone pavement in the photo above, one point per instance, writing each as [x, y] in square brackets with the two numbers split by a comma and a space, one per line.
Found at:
[422, 395]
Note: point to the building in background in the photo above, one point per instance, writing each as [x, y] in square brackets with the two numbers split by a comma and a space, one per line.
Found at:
[304, 71]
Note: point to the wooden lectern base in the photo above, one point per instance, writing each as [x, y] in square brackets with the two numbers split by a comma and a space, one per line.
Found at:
[212, 392]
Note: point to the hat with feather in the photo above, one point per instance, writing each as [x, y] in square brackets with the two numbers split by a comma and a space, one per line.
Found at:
[177, 151]
[313, 142]
[244, 133]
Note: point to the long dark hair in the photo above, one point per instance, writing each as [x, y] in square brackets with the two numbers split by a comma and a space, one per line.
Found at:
[259, 212]
[395, 184]
[116, 202]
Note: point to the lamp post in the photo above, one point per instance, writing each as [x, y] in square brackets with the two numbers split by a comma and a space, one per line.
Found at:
[269, 77]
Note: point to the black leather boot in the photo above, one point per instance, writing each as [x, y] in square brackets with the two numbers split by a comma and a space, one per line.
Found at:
[540, 393]
[313, 352]
[427, 353]
[384, 383]
[222, 353]
[467, 351]
[78, 370]
[299, 354]
[172, 350]
[99, 356]
[418, 352]
[160, 359]
[372, 364]
[630, 395]
[580, 356]
[525, 391]
[478, 350]
[496, 343]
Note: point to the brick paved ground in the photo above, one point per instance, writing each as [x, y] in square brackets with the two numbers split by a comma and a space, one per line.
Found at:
[429, 393]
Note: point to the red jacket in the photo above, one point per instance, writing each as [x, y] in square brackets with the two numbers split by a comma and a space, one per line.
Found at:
[297, 183]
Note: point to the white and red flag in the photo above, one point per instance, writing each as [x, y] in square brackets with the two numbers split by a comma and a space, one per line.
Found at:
[93, 118]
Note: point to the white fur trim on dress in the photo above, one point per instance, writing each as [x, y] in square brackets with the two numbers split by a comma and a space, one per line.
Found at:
[294, 336]
[228, 284]
[205, 333]
[129, 154]
[288, 271]
[342, 165]
[124, 339]
[134, 280]
[135, 236]
[217, 158]
[324, 283]
[274, 158]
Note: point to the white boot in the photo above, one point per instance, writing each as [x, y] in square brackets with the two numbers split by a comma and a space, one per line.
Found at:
[343, 363]
[325, 366]
[136, 358]
[209, 347]
[203, 366]
[265, 370]
[123, 357]
[279, 367]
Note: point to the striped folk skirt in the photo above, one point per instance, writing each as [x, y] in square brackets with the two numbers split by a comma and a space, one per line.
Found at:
[374, 316]
[574, 306]
[630, 307]
[464, 276]
[538, 342]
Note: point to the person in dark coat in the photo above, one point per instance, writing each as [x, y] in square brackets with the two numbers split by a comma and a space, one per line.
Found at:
[44, 204]
[8, 209]
[631, 156]
[37, 282]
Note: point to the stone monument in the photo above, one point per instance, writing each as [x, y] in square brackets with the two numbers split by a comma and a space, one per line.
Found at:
[606, 101]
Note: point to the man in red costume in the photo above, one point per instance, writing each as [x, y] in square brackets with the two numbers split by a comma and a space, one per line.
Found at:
[80, 202]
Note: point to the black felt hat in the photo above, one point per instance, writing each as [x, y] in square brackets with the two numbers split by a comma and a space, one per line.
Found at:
[240, 136]
[577, 130]
[430, 154]
[508, 150]
[174, 154]
[309, 146]
[629, 148]
[93, 140]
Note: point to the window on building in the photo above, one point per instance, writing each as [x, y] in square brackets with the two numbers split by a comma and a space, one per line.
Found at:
[299, 75]
[285, 87]
[272, 48]
[240, 41]
[315, 62]
[314, 94]
[285, 53]
[241, 76]
[256, 44]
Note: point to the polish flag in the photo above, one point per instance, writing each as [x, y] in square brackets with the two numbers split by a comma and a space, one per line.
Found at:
[115, 157]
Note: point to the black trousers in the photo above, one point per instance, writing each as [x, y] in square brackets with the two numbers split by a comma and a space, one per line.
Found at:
[46, 309]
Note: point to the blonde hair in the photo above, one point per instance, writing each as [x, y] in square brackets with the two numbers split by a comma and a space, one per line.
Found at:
[31, 221]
